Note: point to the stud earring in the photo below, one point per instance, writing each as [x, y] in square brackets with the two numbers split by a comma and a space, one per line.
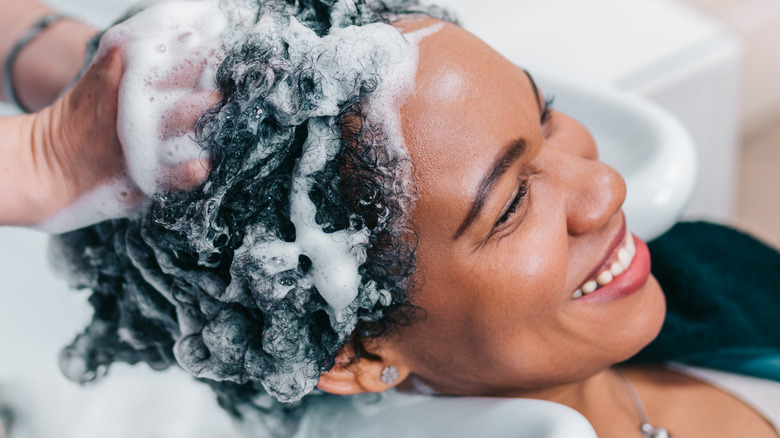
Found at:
[389, 375]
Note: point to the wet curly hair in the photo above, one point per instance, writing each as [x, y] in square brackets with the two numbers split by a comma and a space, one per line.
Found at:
[185, 283]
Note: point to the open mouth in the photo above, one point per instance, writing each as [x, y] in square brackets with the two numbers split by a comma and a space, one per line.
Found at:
[618, 262]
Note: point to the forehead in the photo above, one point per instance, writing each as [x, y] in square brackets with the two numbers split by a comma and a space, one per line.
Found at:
[469, 103]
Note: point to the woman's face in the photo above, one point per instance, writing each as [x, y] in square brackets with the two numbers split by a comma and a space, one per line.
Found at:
[515, 214]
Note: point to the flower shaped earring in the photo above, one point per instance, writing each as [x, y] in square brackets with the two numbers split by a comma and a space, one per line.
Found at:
[389, 375]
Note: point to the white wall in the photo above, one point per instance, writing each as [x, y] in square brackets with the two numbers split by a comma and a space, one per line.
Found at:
[757, 24]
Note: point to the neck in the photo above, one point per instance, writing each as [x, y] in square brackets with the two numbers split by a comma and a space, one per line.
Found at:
[602, 399]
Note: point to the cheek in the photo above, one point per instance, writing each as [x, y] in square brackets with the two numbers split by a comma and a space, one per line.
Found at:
[539, 277]
[521, 281]
[542, 252]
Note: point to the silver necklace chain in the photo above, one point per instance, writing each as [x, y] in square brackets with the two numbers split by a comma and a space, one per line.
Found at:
[648, 430]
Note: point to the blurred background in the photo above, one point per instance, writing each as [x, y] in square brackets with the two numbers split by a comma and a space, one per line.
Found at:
[756, 23]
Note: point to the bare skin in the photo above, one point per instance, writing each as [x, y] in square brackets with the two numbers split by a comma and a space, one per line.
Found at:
[50, 62]
[50, 158]
[500, 317]
[691, 408]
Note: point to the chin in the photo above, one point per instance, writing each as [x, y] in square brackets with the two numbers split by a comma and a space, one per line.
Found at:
[650, 320]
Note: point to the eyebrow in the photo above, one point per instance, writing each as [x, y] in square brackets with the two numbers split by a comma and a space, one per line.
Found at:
[511, 154]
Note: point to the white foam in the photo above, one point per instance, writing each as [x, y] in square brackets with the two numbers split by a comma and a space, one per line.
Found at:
[398, 82]
[172, 50]
[336, 257]
[115, 199]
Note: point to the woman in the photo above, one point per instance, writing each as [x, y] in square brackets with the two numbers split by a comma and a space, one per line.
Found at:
[505, 269]
[504, 286]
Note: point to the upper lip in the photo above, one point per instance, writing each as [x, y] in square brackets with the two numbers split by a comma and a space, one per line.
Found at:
[616, 240]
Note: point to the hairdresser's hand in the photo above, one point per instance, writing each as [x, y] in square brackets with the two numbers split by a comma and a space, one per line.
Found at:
[63, 151]
[78, 134]
[75, 150]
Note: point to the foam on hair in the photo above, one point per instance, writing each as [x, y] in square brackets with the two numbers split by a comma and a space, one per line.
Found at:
[253, 281]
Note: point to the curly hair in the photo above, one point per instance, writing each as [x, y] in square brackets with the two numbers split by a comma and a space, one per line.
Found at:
[215, 279]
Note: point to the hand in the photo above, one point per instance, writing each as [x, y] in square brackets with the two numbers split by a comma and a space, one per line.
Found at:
[75, 138]
[76, 151]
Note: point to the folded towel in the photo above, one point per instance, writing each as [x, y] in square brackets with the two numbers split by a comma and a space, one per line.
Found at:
[722, 289]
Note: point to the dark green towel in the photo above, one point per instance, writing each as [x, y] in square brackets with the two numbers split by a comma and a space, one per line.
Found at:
[722, 290]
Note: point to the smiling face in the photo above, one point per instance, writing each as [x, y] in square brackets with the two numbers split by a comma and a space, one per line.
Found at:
[515, 214]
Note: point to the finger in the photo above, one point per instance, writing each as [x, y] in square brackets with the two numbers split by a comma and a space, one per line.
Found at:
[129, 194]
[189, 174]
[181, 119]
[187, 75]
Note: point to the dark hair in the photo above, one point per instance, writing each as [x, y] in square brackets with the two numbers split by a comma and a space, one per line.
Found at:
[188, 282]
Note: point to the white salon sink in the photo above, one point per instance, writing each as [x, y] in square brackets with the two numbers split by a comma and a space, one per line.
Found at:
[416, 416]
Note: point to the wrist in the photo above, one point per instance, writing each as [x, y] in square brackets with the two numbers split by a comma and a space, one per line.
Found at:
[23, 183]
[49, 64]
[16, 19]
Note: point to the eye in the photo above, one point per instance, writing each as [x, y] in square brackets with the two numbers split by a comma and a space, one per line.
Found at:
[516, 203]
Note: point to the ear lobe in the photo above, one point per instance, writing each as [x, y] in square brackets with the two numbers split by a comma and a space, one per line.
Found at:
[341, 379]
[353, 375]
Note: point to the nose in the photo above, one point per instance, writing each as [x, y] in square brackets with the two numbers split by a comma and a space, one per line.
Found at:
[593, 191]
[597, 194]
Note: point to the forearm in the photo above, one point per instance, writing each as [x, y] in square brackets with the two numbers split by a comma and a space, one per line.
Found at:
[49, 63]
[21, 139]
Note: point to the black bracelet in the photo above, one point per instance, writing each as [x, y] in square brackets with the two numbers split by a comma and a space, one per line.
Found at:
[26, 38]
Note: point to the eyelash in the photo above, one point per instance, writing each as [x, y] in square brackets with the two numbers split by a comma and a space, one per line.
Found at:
[517, 202]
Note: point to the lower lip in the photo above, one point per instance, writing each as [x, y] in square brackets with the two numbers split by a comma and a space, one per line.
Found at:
[625, 284]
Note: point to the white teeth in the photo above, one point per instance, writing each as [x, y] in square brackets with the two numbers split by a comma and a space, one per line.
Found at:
[625, 256]
[604, 278]
[589, 287]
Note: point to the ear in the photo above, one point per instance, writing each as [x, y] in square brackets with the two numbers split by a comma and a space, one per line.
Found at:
[357, 375]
